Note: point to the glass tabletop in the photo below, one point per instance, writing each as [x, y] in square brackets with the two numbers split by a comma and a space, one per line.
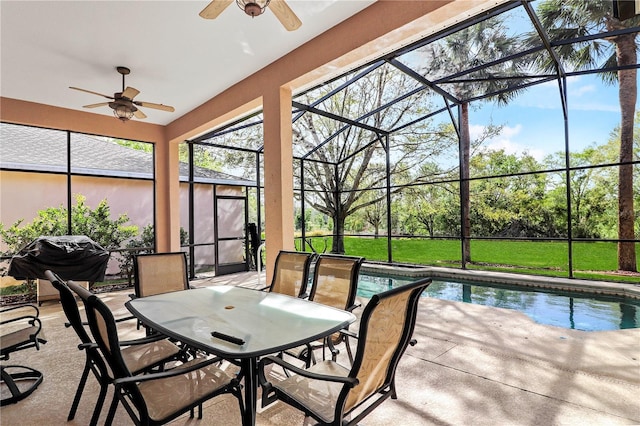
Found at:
[246, 323]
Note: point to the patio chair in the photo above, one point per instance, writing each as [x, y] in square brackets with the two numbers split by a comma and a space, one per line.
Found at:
[22, 330]
[157, 273]
[140, 355]
[291, 273]
[335, 395]
[159, 397]
[335, 283]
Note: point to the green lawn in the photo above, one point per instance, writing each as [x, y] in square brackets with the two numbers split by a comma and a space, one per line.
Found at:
[590, 260]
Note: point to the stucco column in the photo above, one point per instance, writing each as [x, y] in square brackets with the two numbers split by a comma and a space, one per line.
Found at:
[167, 197]
[278, 173]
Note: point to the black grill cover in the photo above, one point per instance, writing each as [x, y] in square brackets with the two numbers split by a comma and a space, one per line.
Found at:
[72, 257]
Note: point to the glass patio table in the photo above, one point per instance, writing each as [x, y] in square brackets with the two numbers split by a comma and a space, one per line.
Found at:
[239, 323]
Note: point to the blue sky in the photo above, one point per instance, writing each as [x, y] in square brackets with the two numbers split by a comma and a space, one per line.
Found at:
[533, 121]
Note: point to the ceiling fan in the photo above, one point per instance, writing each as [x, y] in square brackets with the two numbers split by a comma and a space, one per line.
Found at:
[254, 8]
[122, 103]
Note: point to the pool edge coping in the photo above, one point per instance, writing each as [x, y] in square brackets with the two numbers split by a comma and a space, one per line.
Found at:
[629, 290]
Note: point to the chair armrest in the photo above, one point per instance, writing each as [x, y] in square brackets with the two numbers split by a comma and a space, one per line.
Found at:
[350, 381]
[166, 373]
[84, 346]
[13, 308]
[349, 333]
[356, 305]
[143, 340]
[128, 318]
[31, 320]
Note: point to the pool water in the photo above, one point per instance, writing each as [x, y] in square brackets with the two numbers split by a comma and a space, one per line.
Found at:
[578, 311]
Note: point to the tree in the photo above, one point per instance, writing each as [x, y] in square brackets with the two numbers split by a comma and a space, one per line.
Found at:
[52, 221]
[511, 203]
[429, 203]
[567, 19]
[347, 163]
[479, 44]
[590, 190]
[375, 215]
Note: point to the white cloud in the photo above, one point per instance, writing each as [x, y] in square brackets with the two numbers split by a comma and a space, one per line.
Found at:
[581, 90]
[583, 94]
[505, 141]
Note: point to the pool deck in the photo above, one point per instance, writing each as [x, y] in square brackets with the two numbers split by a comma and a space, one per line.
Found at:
[472, 365]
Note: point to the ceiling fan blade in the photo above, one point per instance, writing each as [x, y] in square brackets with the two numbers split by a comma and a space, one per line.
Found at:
[89, 91]
[155, 106]
[96, 105]
[139, 114]
[130, 93]
[215, 8]
[285, 15]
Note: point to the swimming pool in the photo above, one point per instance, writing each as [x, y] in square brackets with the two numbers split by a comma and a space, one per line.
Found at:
[578, 311]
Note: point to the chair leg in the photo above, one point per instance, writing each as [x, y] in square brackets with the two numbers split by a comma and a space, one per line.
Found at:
[76, 398]
[99, 403]
[112, 409]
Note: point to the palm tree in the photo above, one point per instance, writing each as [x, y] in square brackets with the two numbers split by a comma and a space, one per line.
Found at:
[480, 44]
[568, 19]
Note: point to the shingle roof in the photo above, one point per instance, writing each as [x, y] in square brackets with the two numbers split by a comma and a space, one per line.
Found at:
[31, 148]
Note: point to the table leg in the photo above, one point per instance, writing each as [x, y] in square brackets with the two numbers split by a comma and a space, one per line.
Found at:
[249, 367]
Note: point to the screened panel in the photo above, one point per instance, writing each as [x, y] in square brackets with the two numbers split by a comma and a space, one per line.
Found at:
[23, 195]
[246, 133]
[514, 206]
[594, 202]
[111, 157]
[592, 257]
[231, 218]
[204, 258]
[594, 121]
[32, 148]
[522, 256]
[231, 252]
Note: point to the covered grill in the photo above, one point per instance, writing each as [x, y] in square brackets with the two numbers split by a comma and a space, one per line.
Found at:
[72, 257]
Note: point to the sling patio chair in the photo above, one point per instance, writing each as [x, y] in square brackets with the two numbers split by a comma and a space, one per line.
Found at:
[335, 395]
[157, 273]
[335, 284]
[22, 329]
[291, 273]
[159, 397]
[141, 355]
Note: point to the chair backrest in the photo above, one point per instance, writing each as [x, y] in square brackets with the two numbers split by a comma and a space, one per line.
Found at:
[69, 306]
[386, 327]
[103, 329]
[335, 280]
[157, 273]
[291, 273]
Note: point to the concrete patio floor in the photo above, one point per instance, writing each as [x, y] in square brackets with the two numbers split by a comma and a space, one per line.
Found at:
[472, 365]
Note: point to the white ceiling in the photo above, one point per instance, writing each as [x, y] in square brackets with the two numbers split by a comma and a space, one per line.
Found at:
[176, 57]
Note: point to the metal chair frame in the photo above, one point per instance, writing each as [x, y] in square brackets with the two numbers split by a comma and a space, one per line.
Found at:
[365, 400]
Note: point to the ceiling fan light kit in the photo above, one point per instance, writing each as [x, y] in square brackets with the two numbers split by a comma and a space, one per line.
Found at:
[122, 103]
[122, 111]
[253, 8]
